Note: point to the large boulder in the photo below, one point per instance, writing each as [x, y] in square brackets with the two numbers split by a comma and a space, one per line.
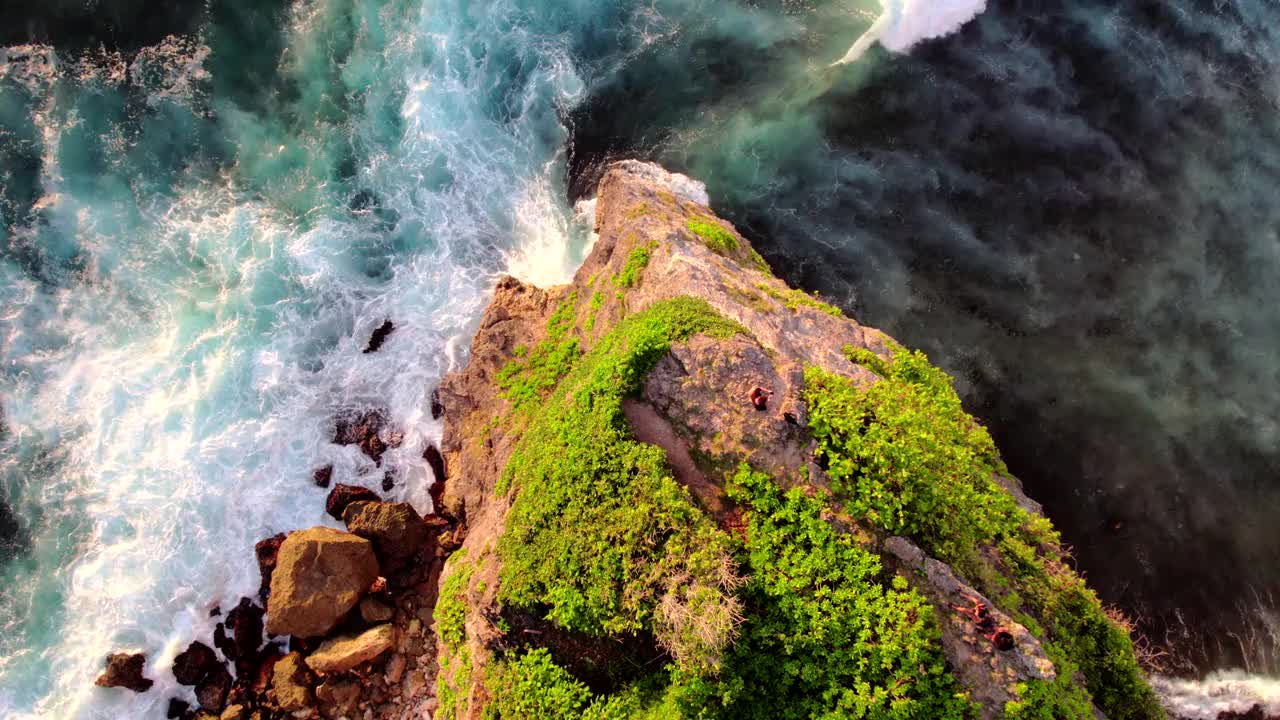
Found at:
[192, 664]
[395, 529]
[291, 683]
[320, 575]
[124, 670]
[344, 653]
[212, 690]
[343, 495]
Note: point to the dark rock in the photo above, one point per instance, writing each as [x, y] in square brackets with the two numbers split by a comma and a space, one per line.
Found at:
[1257, 712]
[192, 664]
[267, 550]
[216, 611]
[124, 670]
[388, 482]
[395, 529]
[364, 429]
[124, 25]
[262, 675]
[177, 709]
[322, 476]
[245, 623]
[379, 336]
[223, 642]
[321, 574]
[343, 495]
[212, 690]
[436, 461]
[437, 405]
[14, 539]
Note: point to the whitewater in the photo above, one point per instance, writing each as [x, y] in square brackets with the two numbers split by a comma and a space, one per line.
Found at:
[184, 305]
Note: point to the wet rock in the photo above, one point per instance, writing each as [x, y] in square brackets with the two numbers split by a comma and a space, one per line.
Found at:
[262, 675]
[1257, 712]
[374, 612]
[395, 529]
[379, 336]
[344, 653]
[14, 540]
[437, 405]
[267, 551]
[322, 476]
[365, 429]
[388, 482]
[343, 495]
[291, 683]
[436, 461]
[245, 623]
[192, 664]
[320, 576]
[177, 709]
[124, 670]
[212, 690]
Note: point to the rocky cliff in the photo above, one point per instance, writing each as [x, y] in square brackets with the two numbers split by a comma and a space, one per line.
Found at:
[684, 489]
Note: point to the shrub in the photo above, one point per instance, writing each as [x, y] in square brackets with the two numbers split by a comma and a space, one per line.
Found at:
[637, 261]
[714, 235]
[533, 372]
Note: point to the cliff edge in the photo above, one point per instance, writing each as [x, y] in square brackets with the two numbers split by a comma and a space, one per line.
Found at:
[680, 488]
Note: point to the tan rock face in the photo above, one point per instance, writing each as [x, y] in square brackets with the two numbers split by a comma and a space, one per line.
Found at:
[395, 529]
[344, 653]
[290, 683]
[320, 575]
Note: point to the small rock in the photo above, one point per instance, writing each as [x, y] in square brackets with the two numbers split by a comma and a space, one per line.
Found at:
[395, 529]
[364, 429]
[235, 712]
[344, 653]
[388, 481]
[343, 495]
[124, 670]
[375, 612]
[192, 664]
[213, 688]
[395, 669]
[437, 406]
[267, 552]
[177, 709]
[342, 695]
[320, 576]
[415, 627]
[379, 337]
[322, 476]
[291, 683]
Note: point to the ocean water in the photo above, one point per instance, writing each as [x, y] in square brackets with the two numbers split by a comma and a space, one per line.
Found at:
[198, 233]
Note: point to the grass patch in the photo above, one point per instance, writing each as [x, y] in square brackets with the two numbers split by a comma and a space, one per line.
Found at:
[534, 372]
[903, 455]
[451, 627]
[597, 302]
[637, 261]
[714, 235]
[599, 533]
[796, 299]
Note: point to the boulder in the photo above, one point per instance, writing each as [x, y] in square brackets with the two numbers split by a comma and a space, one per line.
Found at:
[437, 405]
[379, 336]
[124, 670]
[245, 623]
[322, 476]
[212, 690]
[291, 683]
[365, 429]
[395, 529]
[374, 612]
[320, 575]
[192, 664]
[344, 653]
[343, 495]
[177, 709]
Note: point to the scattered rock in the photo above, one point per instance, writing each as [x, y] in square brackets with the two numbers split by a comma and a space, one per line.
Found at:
[379, 336]
[396, 529]
[322, 476]
[213, 688]
[177, 709]
[343, 495]
[388, 481]
[320, 576]
[395, 669]
[344, 653]
[267, 550]
[364, 429]
[124, 670]
[374, 612]
[437, 406]
[343, 696]
[240, 635]
[192, 664]
[291, 683]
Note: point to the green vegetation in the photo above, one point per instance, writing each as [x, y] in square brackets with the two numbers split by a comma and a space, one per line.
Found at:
[759, 262]
[795, 299]
[637, 261]
[604, 537]
[597, 302]
[903, 455]
[533, 372]
[714, 235]
[745, 297]
[451, 619]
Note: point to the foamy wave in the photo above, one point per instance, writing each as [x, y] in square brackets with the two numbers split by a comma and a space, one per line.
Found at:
[905, 23]
[1227, 691]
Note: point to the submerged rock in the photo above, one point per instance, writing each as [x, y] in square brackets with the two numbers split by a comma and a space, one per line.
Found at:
[437, 405]
[343, 495]
[395, 529]
[365, 429]
[320, 576]
[344, 653]
[322, 476]
[379, 336]
[212, 691]
[177, 709]
[124, 670]
[192, 664]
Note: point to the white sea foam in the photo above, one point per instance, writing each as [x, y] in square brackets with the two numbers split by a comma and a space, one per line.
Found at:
[905, 23]
[1231, 690]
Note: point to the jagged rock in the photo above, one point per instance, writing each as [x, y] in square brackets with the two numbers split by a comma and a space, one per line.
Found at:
[177, 709]
[212, 690]
[388, 481]
[322, 476]
[344, 653]
[291, 683]
[395, 529]
[379, 336]
[240, 635]
[124, 670]
[365, 429]
[343, 495]
[437, 405]
[320, 576]
[192, 664]
[267, 551]
[375, 612]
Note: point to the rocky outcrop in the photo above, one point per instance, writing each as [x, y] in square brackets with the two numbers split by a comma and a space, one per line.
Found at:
[124, 670]
[345, 653]
[320, 576]
[396, 530]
